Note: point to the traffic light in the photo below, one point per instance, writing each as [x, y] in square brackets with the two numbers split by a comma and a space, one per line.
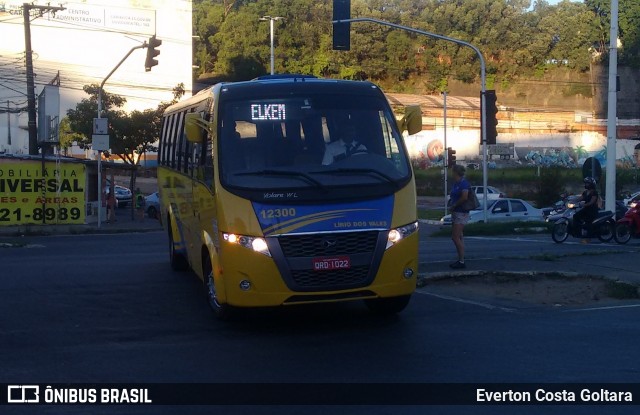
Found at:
[341, 31]
[491, 116]
[152, 53]
[451, 157]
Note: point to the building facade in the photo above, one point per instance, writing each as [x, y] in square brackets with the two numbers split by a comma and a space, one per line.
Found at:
[82, 45]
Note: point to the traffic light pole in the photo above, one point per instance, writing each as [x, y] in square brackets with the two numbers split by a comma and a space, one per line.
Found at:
[445, 162]
[483, 87]
[144, 45]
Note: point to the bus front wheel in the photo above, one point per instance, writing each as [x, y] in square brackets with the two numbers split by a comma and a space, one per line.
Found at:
[221, 311]
[388, 305]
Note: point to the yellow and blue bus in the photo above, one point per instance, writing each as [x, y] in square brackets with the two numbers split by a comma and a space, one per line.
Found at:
[259, 199]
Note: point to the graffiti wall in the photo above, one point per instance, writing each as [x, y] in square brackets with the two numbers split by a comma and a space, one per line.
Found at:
[570, 150]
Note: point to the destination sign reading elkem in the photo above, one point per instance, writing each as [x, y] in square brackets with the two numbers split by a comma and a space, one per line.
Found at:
[268, 112]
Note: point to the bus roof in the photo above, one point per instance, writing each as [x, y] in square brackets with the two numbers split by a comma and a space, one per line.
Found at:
[273, 85]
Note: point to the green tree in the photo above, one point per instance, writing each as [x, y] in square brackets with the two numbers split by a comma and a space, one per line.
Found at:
[628, 26]
[68, 136]
[81, 117]
[130, 135]
[516, 40]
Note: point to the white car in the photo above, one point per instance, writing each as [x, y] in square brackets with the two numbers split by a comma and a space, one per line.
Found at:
[123, 194]
[503, 210]
[492, 192]
[152, 205]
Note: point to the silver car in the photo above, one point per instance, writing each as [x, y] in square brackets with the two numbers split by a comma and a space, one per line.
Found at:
[123, 194]
[152, 205]
[492, 192]
[503, 210]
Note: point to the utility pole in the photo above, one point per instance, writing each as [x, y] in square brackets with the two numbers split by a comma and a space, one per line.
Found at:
[31, 94]
[8, 125]
[612, 115]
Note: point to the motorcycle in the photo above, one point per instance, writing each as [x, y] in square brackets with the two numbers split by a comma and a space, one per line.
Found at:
[629, 225]
[602, 226]
[554, 213]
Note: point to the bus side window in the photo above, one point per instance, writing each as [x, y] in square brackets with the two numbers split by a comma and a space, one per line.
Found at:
[231, 146]
[207, 162]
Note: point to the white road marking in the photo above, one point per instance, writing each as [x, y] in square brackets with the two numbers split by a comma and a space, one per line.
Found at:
[448, 261]
[462, 300]
[489, 238]
[614, 307]
[543, 241]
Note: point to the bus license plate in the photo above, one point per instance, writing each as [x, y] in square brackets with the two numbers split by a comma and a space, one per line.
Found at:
[331, 263]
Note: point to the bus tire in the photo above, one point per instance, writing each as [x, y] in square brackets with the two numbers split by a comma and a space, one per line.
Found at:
[177, 260]
[388, 305]
[222, 312]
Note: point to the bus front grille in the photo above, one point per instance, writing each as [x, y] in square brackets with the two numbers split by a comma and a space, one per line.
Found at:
[348, 243]
[338, 279]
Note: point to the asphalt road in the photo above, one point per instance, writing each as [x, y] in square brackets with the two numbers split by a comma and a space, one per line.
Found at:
[107, 308]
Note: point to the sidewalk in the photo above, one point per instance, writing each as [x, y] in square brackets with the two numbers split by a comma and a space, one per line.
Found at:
[616, 263]
[123, 224]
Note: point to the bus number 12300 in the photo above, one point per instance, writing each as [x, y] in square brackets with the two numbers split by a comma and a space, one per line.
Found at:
[278, 213]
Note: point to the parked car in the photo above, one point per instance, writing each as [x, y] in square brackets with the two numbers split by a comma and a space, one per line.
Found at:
[503, 210]
[492, 192]
[123, 194]
[152, 205]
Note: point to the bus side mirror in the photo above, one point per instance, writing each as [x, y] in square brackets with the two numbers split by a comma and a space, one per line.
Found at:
[411, 120]
[194, 126]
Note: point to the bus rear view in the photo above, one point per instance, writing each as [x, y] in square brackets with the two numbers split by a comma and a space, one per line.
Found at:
[301, 192]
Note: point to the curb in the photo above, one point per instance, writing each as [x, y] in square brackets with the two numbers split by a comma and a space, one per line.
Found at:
[436, 276]
[71, 230]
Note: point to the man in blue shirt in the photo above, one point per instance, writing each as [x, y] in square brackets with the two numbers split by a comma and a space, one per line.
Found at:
[459, 216]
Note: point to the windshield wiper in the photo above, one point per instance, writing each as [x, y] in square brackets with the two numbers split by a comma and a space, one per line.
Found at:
[283, 173]
[359, 171]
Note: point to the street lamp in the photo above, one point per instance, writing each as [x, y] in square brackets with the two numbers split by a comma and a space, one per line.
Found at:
[271, 19]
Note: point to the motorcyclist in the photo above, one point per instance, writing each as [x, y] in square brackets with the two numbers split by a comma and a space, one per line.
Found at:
[589, 204]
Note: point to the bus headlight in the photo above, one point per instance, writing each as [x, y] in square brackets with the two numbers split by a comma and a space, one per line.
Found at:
[256, 244]
[398, 234]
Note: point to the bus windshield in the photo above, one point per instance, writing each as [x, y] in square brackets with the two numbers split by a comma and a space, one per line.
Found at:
[308, 143]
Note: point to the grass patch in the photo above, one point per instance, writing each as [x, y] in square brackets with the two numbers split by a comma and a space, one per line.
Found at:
[430, 214]
[501, 228]
[621, 290]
